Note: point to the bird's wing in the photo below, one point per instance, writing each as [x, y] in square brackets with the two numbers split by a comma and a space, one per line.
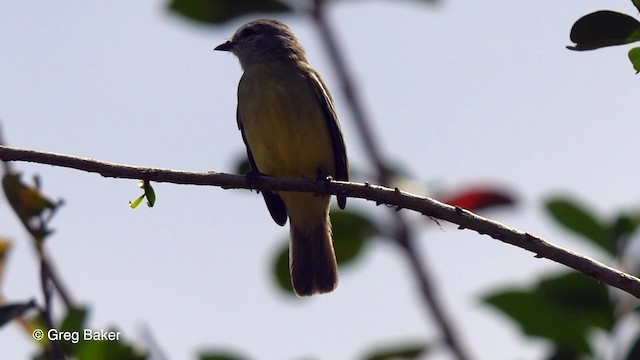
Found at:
[339, 148]
[275, 205]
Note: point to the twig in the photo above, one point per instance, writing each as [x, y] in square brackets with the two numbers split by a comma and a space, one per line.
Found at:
[56, 349]
[58, 284]
[49, 270]
[47, 267]
[381, 195]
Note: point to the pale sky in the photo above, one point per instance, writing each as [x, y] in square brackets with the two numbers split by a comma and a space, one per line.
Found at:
[463, 93]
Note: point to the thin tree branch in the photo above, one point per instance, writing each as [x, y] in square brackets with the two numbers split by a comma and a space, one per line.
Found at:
[359, 115]
[402, 233]
[379, 194]
[55, 346]
[68, 301]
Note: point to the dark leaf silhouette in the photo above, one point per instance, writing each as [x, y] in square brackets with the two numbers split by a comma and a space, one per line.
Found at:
[10, 311]
[604, 28]
[220, 11]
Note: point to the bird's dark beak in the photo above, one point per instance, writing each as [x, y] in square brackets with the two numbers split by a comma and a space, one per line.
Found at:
[227, 46]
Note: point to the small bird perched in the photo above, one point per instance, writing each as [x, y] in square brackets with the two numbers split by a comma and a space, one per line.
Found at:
[290, 128]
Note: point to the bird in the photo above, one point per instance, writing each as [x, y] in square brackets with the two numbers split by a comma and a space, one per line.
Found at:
[289, 125]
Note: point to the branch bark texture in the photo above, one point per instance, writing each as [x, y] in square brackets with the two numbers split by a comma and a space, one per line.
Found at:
[378, 194]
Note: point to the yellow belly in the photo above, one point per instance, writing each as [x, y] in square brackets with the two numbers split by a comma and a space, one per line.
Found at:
[284, 124]
[287, 133]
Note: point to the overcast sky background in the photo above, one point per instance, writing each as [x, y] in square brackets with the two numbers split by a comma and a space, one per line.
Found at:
[463, 93]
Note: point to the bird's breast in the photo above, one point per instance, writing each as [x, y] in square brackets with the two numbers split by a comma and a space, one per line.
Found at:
[284, 124]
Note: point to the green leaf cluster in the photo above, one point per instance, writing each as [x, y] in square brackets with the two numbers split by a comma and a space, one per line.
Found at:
[216, 12]
[33, 208]
[400, 351]
[567, 308]
[607, 28]
[408, 351]
[221, 11]
[611, 236]
[148, 194]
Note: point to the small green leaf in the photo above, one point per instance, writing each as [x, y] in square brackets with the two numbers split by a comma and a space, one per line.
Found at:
[281, 269]
[406, 352]
[9, 312]
[221, 355]
[621, 230]
[242, 165]
[220, 11]
[351, 230]
[634, 57]
[577, 218]
[74, 320]
[604, 28]
[134, 204]
[106, 349]
[149, 194]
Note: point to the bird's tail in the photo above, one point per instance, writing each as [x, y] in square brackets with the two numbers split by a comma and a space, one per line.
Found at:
[313, 260]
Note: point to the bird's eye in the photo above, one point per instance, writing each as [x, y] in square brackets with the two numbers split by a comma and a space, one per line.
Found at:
[247, 32]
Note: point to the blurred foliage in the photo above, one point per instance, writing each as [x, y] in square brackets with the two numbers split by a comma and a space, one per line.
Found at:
[242, 166]
[634, 57]
[216, 12]
[221, 11]
[5, 246]
[32, 207]
[35, 210]
[221, 355]
[9, 312]
[579, 219]
[607, 28]
[408, 351]
[352, 231]
[612, 236]
[566, 308]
